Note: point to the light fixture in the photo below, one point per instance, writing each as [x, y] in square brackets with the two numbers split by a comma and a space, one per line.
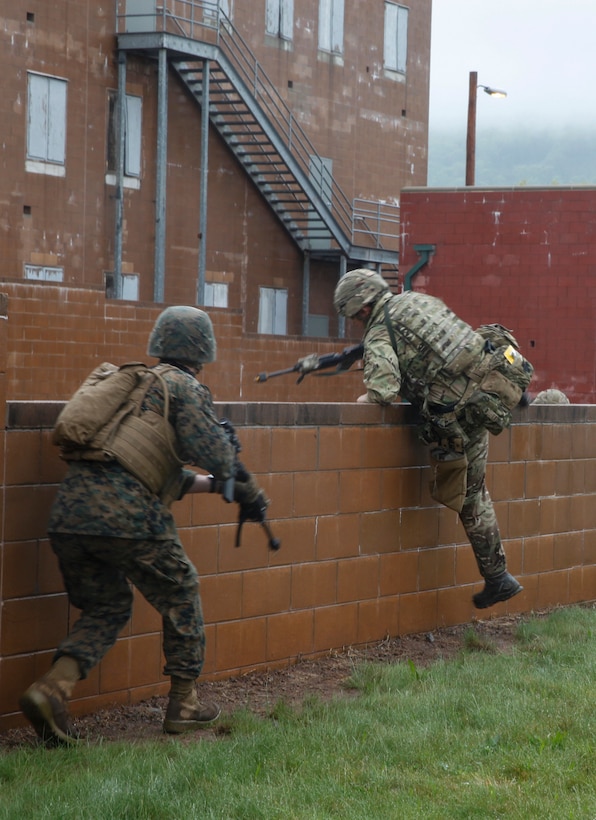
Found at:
[493, 92]
[471, 134]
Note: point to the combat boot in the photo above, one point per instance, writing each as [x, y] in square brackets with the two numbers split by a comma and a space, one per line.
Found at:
[185, 712]
[45, 703]
[500, 588]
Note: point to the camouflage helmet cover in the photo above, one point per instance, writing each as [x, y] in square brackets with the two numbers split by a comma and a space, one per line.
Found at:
[183, 334]
[356, 289]
[551, 396]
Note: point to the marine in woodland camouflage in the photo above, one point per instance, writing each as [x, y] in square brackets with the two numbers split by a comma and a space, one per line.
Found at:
[106, 526]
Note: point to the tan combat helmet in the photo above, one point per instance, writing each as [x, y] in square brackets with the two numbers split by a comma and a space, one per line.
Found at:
[183, 334]
[356, 289]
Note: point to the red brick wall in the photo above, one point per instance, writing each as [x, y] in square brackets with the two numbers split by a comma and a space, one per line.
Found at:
[365, 551]
[56, 335]
[524, 257]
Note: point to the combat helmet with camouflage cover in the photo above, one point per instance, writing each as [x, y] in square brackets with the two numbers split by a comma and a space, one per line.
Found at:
[358, 288]
[184, 334]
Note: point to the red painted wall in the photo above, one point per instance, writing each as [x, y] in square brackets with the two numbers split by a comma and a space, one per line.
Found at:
[524, 257]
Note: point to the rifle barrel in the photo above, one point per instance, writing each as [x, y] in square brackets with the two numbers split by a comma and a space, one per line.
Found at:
[263, 377]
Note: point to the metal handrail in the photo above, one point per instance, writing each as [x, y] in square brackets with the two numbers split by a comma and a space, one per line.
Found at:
[374, 219]
[205, 21]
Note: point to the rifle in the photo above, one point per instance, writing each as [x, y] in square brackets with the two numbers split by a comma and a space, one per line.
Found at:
[310, 364]
[256, 511]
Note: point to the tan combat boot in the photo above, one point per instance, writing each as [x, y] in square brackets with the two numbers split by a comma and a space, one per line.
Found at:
[45, 703]
[185, 712]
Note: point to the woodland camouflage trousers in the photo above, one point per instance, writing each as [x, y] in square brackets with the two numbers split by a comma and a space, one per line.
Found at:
[478, 514]
[97, 572]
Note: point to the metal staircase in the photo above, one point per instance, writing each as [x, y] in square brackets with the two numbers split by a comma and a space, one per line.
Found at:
[219, 69]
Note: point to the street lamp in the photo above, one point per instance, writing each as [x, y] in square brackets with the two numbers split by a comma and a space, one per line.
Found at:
[471, 135]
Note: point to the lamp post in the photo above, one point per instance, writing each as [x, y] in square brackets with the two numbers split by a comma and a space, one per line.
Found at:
[471, 132]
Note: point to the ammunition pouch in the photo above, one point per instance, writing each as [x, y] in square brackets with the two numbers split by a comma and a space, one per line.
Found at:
[449, 480]
[444, 431]
[501, 378]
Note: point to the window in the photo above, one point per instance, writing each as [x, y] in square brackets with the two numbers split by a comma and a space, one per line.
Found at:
[217, 9]
[43, 273]
[273, 310]
[396, 37]
[216, 294]
[280, 18]
[331, 25]
[46, 123]
[318, 325]
[132, 135]
[130, 286]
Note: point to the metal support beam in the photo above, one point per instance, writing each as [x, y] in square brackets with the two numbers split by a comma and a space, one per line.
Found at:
[204, 184]
[341, 323]
[161, 178]
[119, 195]
[305, 292]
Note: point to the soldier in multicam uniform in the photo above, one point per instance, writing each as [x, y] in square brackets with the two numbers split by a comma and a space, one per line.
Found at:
[416, 348]
[107, 528]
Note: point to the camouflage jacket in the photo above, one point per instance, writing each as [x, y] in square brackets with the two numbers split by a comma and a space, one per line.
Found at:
[102, 498]
[415, 370]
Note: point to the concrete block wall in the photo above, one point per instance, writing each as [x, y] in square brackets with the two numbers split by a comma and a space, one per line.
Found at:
[55, 336]
[524, 257]
[365, 551]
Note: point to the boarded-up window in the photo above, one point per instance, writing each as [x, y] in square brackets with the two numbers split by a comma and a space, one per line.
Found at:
[43, 273]
[280, 18]
[216, 294]
[331, 25]
[396, 37]
[46, 119]
[132, 134]
[273, 310]
[214, 10]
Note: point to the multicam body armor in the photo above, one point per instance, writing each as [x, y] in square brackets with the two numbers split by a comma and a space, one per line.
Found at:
[417, 348]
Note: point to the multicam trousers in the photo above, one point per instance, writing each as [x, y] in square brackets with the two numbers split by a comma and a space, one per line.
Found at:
[478, 514]
[97, 571]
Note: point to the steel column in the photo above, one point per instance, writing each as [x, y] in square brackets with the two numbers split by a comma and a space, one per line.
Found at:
[161, 178]
[305, 292]
[341, 323]
[203, 184]
[119, 195]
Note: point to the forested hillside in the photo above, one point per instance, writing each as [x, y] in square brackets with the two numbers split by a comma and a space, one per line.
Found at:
[529, 157]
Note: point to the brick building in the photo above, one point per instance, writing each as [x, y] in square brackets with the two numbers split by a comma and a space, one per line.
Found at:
[113, 180]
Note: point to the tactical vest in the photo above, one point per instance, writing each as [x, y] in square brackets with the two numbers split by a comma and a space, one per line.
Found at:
[438, 344]
[436, 339]
[104, 422]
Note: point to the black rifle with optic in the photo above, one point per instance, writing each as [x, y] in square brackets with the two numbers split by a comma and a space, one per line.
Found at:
[340, 362]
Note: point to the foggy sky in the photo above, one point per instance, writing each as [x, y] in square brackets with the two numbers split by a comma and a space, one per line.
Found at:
[542, 52]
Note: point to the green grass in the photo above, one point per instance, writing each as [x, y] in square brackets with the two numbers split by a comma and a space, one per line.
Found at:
[488, 735]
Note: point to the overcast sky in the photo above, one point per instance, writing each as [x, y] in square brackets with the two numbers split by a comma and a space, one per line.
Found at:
[542, 52]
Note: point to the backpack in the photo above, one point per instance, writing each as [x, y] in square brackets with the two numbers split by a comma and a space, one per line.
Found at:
[502, 377]
[506, 360]
[105, 397]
